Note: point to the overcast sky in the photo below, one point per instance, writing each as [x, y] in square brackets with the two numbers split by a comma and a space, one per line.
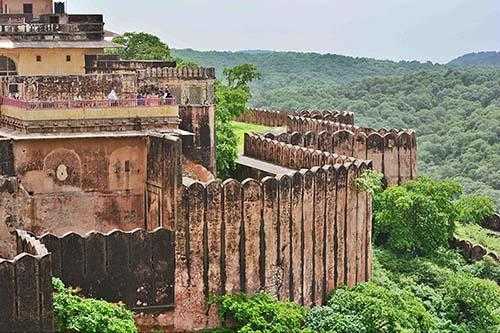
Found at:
[435, 30]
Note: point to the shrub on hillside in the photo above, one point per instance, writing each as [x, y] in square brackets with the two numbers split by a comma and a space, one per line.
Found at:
[261, 313]
[474, 208]
[417, 217]
[325, 319]
[382, 309]
[76, 314]
[459, 301]
[472, 303]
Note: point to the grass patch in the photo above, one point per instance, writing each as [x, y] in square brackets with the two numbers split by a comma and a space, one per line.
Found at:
[241, 128]
[478, 235]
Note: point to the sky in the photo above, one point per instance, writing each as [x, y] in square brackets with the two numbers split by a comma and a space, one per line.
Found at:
[424, 30]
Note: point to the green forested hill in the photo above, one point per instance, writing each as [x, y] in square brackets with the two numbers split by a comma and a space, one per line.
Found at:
[456, 111]
[280, 68]
[491, 58]
[456, 115]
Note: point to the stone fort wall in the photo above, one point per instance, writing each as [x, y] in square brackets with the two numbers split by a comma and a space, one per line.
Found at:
[26, 288]
[266, 148]
[296, 236]
[279, 118]
[393, 152]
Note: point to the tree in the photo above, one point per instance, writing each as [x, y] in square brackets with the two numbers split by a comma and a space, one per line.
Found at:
[417, 217]
[141, 46]
[231, 100]
[240, 76]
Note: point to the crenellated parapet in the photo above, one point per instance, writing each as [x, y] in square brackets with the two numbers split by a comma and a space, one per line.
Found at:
[296, 236]
[393, 151]
[268, 148]
[279, 118]
[26, 288]
[183, 73]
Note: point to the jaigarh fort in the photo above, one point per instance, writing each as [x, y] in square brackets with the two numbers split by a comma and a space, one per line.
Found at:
[109, 182]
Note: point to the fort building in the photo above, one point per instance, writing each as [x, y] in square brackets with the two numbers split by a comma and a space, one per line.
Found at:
[108, 181]
[75, 123]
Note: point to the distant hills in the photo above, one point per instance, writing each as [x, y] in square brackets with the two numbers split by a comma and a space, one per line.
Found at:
[491, 58]
[285, 68]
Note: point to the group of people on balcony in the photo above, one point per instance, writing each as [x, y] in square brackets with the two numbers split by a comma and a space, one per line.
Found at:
[163, 97]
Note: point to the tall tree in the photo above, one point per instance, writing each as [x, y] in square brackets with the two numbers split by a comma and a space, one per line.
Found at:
[141, 46]
[232, 97]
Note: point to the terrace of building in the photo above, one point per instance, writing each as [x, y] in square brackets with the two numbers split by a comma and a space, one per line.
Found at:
[51, 27]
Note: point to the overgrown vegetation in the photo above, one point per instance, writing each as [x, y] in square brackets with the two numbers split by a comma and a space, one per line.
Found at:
[441, 293]
[416, 218]
[261, 313]
[76, 314]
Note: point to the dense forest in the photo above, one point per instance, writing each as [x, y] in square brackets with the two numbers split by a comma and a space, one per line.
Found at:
[491, 58]
[455, 110]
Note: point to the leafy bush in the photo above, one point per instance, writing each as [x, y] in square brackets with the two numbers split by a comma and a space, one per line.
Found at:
[417, 217]
[231, 98]
[472, 303]
[486, 269]
[261, 313]
[458, 301]
[76, 314]
[370, 181]
[474, 208]
[383, 309]
[325, 319]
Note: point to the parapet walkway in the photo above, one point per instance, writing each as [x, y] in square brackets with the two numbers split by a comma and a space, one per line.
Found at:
[266, 167]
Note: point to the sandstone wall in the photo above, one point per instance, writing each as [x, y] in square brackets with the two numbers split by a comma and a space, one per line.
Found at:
[75, 87]
[189, 86]
[279, 118]
[199, 120]
[393, 152]
[136, 268]
[291, 156]
[6, 158]
[16, 212]
[84, 183]
[26, 289]
[163, 180]
[296, 236]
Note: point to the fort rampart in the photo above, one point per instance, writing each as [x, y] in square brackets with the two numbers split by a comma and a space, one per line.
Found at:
[296, 236]
[26, 288]
[266, 148]
[393, 152]
[278, 118]
[136, 267]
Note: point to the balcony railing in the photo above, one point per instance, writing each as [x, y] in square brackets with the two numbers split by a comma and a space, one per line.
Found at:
[40, 31]
[89, 104]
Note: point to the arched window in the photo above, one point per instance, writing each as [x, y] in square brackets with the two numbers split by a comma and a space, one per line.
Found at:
[7, 66]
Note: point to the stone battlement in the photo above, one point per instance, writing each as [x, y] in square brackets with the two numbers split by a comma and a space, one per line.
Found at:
[184, 73]
[22, 28]
[296, 236]
[292, 156]
[279, 118]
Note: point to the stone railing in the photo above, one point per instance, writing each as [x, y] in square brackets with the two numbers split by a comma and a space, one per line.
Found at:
[40, 31]
[88, 104]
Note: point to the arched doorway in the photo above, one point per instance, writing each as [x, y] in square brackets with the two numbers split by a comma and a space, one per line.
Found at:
[7, 66]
